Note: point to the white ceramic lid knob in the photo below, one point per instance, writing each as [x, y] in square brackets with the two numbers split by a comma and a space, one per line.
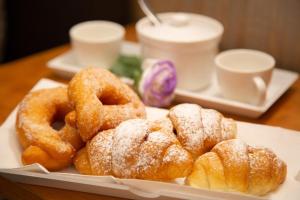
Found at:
[179, 20]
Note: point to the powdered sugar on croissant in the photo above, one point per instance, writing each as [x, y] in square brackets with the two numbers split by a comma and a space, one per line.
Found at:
[199, 129]
[137, 148]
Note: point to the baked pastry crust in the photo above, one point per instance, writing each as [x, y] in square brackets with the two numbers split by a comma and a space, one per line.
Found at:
[199, 129]
[102, 101]
[232, 165]
[137, 148]
[43, 144]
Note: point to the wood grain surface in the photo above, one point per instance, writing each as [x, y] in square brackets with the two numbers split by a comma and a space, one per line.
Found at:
[18, 77]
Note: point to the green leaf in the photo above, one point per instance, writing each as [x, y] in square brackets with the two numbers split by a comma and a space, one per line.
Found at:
[128, 66]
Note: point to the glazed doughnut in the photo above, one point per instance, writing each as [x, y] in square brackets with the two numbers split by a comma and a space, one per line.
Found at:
[43, 144]
[101, 101]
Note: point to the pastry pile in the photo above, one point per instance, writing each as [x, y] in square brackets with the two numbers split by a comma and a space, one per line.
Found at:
[104, 132]
[94, 100]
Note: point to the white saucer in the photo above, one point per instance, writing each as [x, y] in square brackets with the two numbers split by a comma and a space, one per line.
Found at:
[210, 97]
[66, 64]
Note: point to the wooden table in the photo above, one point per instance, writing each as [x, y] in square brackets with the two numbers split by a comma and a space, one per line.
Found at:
[18, 77]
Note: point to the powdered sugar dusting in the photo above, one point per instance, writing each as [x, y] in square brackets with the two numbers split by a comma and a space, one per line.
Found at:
[199, 129]
[211, 120]
[159, 138]
[240, 151]
[163, 123]
[261, 158]
[151, 153]
[175, 153]
[139, 148]
[186, 119]
[278, 163]
[99, 150]
[234, 152]
[126, 142]
[229, 128]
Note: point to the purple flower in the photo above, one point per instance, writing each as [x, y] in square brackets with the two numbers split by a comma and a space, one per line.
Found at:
[158, 83]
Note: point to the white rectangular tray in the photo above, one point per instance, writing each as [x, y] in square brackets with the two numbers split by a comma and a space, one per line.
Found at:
[210, 97]
[284, 142]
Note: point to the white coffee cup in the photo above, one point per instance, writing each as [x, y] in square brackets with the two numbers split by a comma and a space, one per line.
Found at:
[96, 43]
[244, 74]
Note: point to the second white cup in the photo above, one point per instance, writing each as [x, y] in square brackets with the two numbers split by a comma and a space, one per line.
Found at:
[244, 74]
[96, 43]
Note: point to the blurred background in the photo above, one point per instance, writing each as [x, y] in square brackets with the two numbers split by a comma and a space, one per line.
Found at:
[272, 26]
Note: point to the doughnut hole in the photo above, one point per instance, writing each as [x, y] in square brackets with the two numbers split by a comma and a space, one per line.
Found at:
[109, 99]
[58, 120]
[64, 128]
[57, 123]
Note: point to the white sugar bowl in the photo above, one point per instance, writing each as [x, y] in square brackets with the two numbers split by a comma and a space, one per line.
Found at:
[190, 40]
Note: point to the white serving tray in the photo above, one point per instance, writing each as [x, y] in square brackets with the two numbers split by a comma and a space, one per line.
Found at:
[284, 142]
[210, 97]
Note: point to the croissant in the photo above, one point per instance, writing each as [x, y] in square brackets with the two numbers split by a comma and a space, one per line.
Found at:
[232, 165]
[199, 129]
[137, 148]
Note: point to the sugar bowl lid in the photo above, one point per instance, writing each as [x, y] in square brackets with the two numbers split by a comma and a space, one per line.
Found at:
[181, 27]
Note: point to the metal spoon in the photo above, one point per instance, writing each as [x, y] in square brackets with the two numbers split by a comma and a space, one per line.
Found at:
[149, 13]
